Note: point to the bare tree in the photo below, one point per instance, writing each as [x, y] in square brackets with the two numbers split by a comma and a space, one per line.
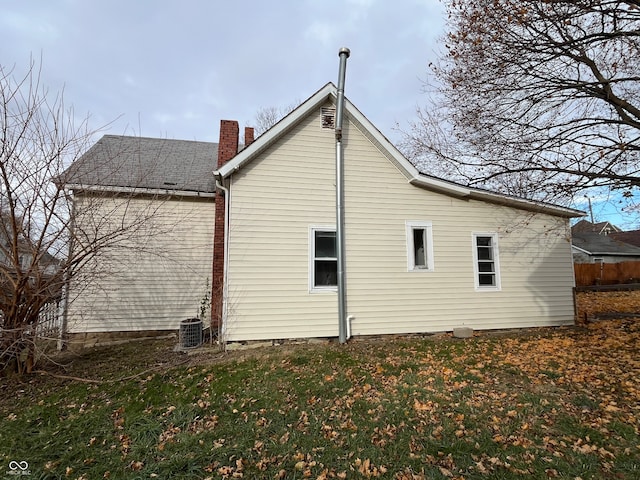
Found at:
[42, 244]
[267, 117]
[535, 98]
[37, 136]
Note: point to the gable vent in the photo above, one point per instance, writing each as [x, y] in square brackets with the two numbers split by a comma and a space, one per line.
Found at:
[328, 117]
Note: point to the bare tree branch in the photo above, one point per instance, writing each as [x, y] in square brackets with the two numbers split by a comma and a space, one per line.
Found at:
[46, 237]
[540, 99]
[267, 117]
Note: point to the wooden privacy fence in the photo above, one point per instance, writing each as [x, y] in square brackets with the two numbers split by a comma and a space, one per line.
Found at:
[606, 273]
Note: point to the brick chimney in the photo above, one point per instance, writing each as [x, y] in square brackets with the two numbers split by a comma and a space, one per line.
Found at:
[228, 144]
[248, 136]
[227, 149]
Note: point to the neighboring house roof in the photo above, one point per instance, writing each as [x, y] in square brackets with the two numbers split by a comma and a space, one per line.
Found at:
[596, 244]
[24, 246]
[412, 174]
[631, 237]
[157, 165]
[48, 260]
[602, 228]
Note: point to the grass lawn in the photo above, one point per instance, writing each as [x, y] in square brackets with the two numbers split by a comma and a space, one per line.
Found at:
[545, 403]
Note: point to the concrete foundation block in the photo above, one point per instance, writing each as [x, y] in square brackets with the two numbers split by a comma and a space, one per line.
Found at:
[463, 332]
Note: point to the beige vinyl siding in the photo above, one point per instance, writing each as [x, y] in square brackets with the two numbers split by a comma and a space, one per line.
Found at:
[149, 279]
[274, 202]
[535, 263]
[277, 197]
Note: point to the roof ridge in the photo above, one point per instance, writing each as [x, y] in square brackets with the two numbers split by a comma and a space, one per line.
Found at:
[111, 135]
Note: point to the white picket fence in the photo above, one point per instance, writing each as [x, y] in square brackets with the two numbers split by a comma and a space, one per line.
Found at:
[50, 320]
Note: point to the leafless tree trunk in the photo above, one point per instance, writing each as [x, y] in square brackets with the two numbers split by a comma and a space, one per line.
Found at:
[539, 99]
[42, 244]
[38, 135]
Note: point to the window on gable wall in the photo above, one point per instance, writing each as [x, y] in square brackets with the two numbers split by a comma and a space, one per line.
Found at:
[419, 246]
[323, 275]
[486, 264]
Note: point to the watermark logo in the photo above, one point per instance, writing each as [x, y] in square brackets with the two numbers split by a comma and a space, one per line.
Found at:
[18, 468]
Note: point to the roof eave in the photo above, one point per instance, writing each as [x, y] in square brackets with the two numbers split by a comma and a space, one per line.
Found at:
[440, 186]
[613, 254]
[138, 190]
[524, 204]
[581, 249]
[462, 192]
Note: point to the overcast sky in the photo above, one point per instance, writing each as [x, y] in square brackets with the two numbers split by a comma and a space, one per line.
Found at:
[168, 68]
[174, 69]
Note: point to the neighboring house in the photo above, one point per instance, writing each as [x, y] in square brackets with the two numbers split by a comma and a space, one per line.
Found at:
[601, 228]
[632, 237]
[41, 269]
[596, 248]
[45, 265]
[50, 265]
[158, 195]
[421, 254]
[26, 249]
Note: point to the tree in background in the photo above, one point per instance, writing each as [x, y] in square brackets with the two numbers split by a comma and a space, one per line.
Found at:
[267, 117]
[42, 246]
[37, 136]
[536, 98]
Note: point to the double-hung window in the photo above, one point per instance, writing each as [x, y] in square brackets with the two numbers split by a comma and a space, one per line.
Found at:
[419, 246]
[486, 262]
[323, 259]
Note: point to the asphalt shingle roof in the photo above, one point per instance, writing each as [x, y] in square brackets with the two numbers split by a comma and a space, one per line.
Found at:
[150, 163]
[597, 244]
[631, 237]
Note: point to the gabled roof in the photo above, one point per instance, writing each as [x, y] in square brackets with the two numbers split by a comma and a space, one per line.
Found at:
[596, 244]
[602, 228]
[156, 165]
[412, 174]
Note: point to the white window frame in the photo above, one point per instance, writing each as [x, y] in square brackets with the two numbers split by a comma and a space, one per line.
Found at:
[312, 248]
[427, 226]
[496, 262]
